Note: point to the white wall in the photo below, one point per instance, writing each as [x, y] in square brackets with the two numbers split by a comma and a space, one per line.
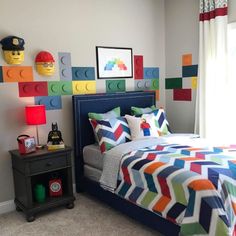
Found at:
[232, 10]
[181, 38]
[182, 35]
[75, 26]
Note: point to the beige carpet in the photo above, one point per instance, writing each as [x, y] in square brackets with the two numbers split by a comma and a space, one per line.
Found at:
[88, 217]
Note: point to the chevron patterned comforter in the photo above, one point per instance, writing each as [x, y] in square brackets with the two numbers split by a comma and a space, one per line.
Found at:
[190, 185]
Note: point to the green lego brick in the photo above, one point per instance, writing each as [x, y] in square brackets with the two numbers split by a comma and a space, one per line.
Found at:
[115, 86]
[172, 83]
[154, 84]
[57, 88]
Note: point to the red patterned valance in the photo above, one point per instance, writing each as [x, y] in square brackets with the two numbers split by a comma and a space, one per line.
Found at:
[213, 14]
[209, 9]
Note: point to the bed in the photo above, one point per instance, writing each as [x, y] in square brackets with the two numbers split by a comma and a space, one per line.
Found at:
[207, 209]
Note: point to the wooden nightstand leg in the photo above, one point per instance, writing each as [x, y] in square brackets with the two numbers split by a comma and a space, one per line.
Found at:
[70, 205]
[30, 218]
[18, 208]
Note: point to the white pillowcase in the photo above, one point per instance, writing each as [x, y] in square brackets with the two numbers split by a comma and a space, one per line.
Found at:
[142, 127]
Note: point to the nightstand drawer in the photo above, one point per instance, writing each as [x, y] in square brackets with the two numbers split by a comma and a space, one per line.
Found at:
[48, 164]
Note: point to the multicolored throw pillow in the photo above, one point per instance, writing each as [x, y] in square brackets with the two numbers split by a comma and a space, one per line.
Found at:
[142, 127]
[160, 118]
[111, 132]
[138, 111]
[114, 113]
[161, 122]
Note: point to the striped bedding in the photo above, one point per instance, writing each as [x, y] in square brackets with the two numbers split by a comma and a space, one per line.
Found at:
[189, 184]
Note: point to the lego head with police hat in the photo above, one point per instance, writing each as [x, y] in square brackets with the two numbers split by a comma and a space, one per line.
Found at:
[13, 50]
[45, 63]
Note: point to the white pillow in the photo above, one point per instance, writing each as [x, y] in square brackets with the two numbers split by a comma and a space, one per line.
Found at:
[142, 127]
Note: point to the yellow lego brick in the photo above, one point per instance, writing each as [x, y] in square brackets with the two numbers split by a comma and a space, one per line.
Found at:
[83, 87]
[194, 82]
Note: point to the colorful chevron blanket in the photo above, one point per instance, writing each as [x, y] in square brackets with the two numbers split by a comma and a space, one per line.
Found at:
[190, 186]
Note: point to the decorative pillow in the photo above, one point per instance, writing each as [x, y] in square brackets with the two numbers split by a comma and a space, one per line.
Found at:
[161, 122]
[142, 127]
[160, 118]
[111, 132]
[138, 111]
[101, 116]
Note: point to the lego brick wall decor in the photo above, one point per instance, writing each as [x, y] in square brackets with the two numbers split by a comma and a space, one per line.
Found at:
[17, 73]
[182, 95]
[65, 66]
[115, 86]
[113, 62]
[138, 67]
[183, 88]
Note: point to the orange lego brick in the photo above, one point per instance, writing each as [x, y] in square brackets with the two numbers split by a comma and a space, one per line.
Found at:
[17, 73]
[187, 60]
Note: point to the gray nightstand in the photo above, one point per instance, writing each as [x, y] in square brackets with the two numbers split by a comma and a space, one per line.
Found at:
[38, 168]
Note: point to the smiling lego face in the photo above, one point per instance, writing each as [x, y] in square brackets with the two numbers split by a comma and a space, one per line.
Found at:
[13, 57]
[45, 68]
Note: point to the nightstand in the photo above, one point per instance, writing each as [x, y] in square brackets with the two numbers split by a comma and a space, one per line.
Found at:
[38, 168]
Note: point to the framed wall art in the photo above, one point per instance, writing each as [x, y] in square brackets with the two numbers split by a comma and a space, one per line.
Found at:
[114, 62]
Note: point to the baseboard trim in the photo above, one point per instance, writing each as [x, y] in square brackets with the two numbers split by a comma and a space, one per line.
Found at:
[7, 206]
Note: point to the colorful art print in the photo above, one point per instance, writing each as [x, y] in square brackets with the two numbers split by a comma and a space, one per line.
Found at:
[113, 62]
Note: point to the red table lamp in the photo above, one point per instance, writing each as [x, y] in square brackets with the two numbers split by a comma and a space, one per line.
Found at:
[35, 115]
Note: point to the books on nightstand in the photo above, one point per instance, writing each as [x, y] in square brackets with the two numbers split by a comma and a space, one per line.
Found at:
[55, 146]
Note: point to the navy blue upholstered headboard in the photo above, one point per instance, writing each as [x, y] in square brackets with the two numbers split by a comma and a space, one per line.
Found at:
[100, 103]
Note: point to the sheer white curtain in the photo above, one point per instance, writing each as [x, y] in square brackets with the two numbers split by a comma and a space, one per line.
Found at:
[215, 94]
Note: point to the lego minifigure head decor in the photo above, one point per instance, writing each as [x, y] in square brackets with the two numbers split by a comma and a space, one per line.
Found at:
[45, 63]
[13, 50]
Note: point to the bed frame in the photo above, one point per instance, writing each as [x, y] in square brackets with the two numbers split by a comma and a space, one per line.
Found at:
[83, 135]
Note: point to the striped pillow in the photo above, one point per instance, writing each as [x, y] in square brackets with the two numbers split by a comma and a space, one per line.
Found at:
[111, 132]
[101, 116]
[161, 122]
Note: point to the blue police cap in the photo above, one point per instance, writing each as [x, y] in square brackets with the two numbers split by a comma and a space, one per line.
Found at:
[12, 43]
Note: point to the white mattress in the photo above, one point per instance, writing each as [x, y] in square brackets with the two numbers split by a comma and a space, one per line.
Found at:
[92, 156]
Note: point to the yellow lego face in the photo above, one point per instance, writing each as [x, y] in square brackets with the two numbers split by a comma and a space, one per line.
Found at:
[13, 57]
[45, 68]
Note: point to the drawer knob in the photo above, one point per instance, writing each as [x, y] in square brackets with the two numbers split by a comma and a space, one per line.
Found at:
[49, 163]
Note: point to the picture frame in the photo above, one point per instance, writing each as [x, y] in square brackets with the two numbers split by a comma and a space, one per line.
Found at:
[114, 62]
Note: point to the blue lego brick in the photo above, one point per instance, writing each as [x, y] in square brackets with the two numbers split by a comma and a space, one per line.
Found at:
[65, 66]
[50, 102]
[1, 78]
[151, 73]
[189, 71]
[83, 73]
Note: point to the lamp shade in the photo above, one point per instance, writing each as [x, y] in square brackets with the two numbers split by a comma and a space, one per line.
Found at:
[35, 115]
